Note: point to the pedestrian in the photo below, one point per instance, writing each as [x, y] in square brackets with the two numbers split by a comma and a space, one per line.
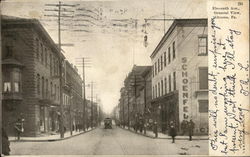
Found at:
[19, 128]
[184, 124]
[172, 131]
[5, 143]
[190, 129]
[155, 126]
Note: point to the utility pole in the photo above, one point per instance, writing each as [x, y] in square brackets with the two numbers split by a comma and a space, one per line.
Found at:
[91, 117]
[81, 62]
[84, 95]
[61, 123]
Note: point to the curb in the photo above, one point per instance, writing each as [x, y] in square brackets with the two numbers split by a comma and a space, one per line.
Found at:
[52, 140]
[177, 138]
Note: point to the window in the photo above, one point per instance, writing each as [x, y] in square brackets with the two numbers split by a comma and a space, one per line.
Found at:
[173, 50]
[9, 51]
[51, 64]
[47, 88]
[7, 87]
[153, 71]
[155, 68]
[153, 92]
[41, 47]
[38, 84]
[156, 91]
[203, 106]
[166, 85]
[165, 59]
[169, 83]
[202, 46]
[203, 78]
[55, 91]
[45, 57]
[174, 78]
[37, 49]
[161, 63]
[161, 87]
[51, 89]
[43, 91]
[169, 55]
[16, 86]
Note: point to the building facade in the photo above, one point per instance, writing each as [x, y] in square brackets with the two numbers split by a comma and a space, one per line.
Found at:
[32, 82]
[180, 75]
[132, 104]
[72, 97]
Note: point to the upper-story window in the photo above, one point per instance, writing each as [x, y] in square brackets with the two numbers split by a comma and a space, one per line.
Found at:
[41, 48]
[173, 50]
[155, 68]
[37, 49]
[6, 87]
[169, 82]
[202, 45]
[165, 59]
[153, 74]
[161, 63]
[38, 84]
[43, 88]
[169, 55]
[46, 57]
[162, 85]
[203, 78]
[165, 85]
[174, 79]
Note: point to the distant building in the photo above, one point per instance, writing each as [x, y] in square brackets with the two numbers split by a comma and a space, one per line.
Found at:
[180, 75]
[72, 97]
[132, 101]
[30, 65]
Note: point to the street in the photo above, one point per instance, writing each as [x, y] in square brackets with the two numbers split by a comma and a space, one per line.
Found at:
[114, 141]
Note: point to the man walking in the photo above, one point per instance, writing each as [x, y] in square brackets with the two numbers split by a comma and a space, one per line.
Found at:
[172, 131]
[190, 129]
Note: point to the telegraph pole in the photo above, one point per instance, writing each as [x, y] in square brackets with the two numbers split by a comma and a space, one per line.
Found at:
[81, 62]
[91, 105]
[84, 95]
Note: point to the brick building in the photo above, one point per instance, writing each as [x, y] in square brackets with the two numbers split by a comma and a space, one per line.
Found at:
[180, 75]
[31, 76]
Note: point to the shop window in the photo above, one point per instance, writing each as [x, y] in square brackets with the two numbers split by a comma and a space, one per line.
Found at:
[202, 46]
[203, 78]
[203, 106]
[7, 87]
[173, 50]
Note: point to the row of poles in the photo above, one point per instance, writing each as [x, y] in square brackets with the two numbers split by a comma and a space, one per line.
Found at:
[84, 62]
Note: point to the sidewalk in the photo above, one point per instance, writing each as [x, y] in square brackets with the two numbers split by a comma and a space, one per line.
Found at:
[165, 136]
[49, 138]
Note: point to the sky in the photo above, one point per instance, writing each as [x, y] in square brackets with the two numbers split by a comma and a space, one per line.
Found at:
[109, 34]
